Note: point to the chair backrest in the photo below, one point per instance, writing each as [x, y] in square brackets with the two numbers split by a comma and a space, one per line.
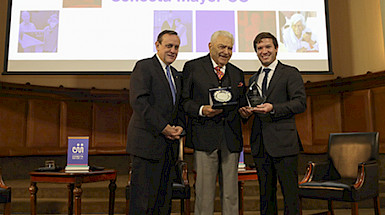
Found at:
[347, 150]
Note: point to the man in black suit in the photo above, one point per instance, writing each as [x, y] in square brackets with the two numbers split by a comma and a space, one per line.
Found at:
[155, 127]
[275, 143]
[214, 134]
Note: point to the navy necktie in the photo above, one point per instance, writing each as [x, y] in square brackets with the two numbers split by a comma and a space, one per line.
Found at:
[264, 82]
[172, 87]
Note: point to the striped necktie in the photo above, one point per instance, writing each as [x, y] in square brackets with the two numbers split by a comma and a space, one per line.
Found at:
[220, 74]
[172, 87]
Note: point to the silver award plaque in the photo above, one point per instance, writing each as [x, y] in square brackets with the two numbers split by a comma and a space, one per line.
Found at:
[253, 95]
[221, 97]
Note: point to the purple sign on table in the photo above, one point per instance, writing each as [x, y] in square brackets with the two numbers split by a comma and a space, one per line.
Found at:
[77, 151]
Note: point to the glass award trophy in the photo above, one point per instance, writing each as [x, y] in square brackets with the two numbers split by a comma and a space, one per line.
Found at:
[254, 96]
[221, 97]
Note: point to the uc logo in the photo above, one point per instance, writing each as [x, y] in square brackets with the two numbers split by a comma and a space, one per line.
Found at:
[79, 148]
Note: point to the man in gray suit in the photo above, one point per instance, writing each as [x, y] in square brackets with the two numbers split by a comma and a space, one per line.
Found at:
[214, 134]
[155, 127]
[275, 143]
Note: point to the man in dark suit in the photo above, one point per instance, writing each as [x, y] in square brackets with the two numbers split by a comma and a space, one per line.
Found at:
[155, 127]
[214, 134]
[275, 143]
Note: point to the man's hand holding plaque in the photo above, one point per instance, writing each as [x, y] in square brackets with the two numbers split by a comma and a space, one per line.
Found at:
[221, 97]
[208, 111]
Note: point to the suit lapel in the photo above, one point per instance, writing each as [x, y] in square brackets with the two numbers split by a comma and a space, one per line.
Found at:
[209, 69]
[233, 80]
[255, 77]
[160, 72]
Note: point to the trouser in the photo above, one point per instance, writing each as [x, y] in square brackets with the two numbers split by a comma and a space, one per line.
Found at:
[285, 169]
[208, 166]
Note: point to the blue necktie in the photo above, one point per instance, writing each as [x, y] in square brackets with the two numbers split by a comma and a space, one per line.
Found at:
[264, 82]
[172, 87]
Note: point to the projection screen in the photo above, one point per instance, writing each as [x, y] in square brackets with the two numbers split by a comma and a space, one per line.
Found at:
[109, 36]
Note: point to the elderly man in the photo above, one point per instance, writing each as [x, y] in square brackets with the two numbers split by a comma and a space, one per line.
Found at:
[214, 134]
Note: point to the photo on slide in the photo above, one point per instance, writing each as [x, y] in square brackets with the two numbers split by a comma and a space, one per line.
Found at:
[299, 31]
[82, 3]
[38, 31]
[251, 23]
[179, 21]
[207, 22]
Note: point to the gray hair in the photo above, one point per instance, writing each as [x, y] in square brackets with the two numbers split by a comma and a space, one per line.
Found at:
[222, 33]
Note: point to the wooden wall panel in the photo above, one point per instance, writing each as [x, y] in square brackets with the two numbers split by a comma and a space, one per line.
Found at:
[12, 123]
[37, 120]
[357, 111]
[246, 130]
[326, 117]
[379, 114]
[109, 125]
[77, 120]
[43, 124]
[304, 124]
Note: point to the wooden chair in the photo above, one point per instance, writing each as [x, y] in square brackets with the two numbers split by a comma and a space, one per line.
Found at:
[5, 196]
[350, 174]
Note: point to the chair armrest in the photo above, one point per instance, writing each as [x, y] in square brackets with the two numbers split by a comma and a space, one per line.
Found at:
[316, 171]
[128, 183]
[129, 174]
[2, 184]
[367, 175]
[182, 172]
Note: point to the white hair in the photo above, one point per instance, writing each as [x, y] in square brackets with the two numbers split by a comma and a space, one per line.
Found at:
[297, 17]
[221, 33]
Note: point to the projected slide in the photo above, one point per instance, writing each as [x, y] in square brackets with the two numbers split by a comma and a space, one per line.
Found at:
[109, 36]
